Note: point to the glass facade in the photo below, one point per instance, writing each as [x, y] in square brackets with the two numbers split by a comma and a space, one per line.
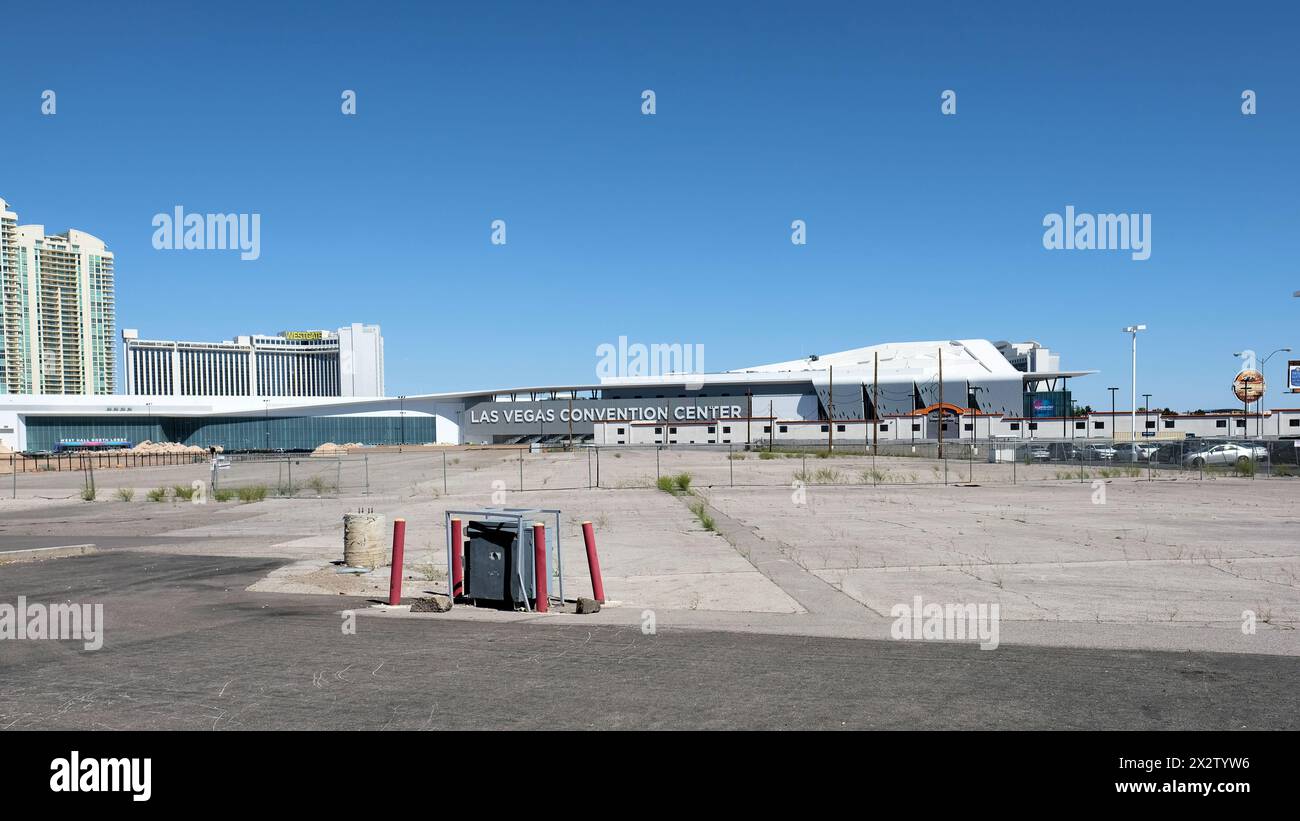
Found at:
[234, 432]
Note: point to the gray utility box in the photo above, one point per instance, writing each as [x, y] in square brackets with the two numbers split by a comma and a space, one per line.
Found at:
[499, 564]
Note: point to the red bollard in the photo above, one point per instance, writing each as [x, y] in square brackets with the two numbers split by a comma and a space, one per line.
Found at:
[593, 562]
[399, 548]
[539, 566]
[457, 572]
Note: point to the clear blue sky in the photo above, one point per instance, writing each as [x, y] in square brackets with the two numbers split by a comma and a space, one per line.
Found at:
[676, 227]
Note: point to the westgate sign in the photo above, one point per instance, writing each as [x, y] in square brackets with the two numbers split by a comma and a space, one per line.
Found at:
[606, 413]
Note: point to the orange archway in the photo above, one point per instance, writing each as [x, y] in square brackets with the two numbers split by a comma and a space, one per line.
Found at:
[941, 407]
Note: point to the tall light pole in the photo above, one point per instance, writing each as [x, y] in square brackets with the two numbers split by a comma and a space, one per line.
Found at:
[1259, 402]
[1112, 411]
[1146, 411]
[1133, 418]
[401, 414]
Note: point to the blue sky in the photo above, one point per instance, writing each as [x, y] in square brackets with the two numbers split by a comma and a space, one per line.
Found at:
[676, 227]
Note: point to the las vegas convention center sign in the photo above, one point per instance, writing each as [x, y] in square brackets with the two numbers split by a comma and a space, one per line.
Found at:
[607, 413]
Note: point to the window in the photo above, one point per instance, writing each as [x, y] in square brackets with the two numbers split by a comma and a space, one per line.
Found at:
[767, 429]
[1241, 423]
[1295, 423]
[672, 430]
[1150, 425]
[839, 428]
[1221, 423]
[1015, 426]
[621, 432]
[825, 428]
[884, 427]
[659, 431]
[782, 428]
[712, 429]
[1169, 423]
[726, 429]
[967, 426]
[915, 426]
[1098, 425]
[1033, 426]
[1080, 425]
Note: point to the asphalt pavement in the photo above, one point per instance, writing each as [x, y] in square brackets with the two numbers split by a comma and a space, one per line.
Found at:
[186, 647]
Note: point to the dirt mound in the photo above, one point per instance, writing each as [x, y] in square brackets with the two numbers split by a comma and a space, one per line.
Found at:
[147, 447]
[331, 449]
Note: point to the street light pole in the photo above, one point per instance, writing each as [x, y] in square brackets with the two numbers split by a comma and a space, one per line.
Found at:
[1258, 404]
[1133, 416]
[1112, 411]
[1146, 411]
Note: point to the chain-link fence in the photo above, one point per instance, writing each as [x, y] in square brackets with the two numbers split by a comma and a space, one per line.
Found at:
[246, 477]
[487, 470]
[994, 461]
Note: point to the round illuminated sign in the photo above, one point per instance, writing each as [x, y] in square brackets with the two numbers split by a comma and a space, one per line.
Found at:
[1248, 386]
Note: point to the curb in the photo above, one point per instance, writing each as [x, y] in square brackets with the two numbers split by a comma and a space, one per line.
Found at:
[37, 554]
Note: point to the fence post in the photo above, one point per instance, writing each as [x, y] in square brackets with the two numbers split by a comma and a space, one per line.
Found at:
[731, 465]
[444, 473]
[338, 476]
[588, 468]
[521, 469]
[366, 459]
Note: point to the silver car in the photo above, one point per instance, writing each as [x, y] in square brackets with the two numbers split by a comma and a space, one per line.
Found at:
[1228, 453]
[1096, 452]
[1134, 451]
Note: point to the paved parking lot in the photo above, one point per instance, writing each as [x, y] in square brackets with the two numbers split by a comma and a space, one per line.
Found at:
[1146, 588]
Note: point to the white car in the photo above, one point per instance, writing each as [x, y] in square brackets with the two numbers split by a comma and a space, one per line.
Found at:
[1093, 453]
[1226, 454]
[1124, 451]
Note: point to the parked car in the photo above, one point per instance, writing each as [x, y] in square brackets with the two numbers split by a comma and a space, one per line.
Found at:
[1135, 451]
[1228, 453]
[1040, 453]
[1094, 453]
[1067, 452]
